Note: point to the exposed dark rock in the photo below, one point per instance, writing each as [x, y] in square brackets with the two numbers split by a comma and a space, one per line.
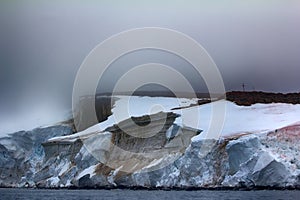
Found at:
[249, 98]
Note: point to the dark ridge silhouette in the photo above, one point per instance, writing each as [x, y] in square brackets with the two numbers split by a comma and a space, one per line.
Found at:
[158, 94]
[249, 98]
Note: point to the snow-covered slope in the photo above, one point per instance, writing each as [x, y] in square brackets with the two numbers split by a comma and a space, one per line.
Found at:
[258, 118]
[135, 106]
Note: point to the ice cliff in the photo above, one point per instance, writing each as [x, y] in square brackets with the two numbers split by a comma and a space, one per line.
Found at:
[98, 157]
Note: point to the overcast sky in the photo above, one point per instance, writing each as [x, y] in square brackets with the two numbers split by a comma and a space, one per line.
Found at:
[43, 43]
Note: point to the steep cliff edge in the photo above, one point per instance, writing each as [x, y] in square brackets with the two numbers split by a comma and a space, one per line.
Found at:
[93, 160]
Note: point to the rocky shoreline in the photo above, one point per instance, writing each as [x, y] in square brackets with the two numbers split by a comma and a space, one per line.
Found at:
[257, 188]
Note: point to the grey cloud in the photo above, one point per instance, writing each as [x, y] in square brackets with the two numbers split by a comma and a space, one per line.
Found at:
[43, 43]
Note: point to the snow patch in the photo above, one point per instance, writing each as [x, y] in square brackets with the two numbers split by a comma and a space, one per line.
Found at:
[90, 170]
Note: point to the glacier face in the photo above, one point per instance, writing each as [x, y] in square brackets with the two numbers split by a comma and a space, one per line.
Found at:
[32, 159]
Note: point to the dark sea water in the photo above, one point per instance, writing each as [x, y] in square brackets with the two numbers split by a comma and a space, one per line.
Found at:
[32, 194]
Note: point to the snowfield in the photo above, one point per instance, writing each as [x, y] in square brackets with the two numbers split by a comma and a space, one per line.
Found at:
[127, 106]
[257, 118]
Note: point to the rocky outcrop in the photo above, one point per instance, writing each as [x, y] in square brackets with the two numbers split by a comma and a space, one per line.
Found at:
[253, 97]
[113, 158]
